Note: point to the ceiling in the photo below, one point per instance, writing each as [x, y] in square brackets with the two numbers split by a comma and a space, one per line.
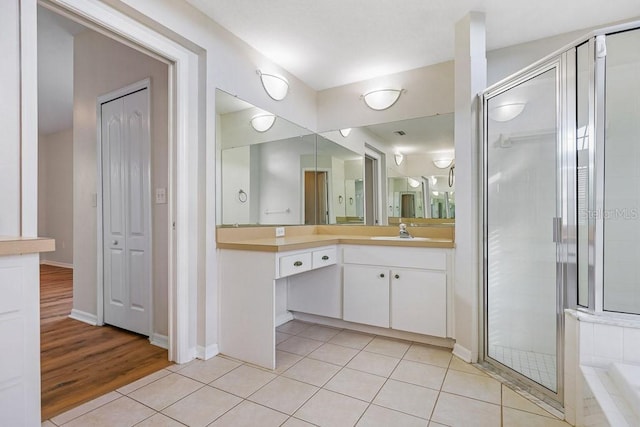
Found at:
[329, 43]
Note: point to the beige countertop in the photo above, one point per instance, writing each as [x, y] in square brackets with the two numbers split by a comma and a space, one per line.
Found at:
[10, 245]
[306, 237]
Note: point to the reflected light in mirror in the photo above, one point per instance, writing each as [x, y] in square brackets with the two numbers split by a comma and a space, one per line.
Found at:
[381, 99]
[275, 85]
[506, 112]
[413, 183]
[263, 122]
[442, 163]
[345, 132]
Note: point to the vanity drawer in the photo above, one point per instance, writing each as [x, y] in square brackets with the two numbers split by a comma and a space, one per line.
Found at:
[294, 264]
[324, 257]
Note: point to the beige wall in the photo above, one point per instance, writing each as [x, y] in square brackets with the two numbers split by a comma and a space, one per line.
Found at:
[102, 66]
[55, 194]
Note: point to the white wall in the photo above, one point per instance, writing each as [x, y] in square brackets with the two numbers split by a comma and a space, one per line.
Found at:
[281, 179]
[429, 91]
[102, 66]
[10, 120]
[55, 194]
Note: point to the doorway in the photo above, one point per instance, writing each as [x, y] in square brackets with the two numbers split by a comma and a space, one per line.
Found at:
[316, 197]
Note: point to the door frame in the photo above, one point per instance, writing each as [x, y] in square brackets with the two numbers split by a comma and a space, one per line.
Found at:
[184, 129]
[565, 209]
[102, 99]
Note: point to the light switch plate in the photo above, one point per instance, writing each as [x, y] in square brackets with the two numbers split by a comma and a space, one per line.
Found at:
[279, 231]
[161, 196]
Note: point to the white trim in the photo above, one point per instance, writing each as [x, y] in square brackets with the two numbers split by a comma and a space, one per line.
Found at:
[158, 340]
[462, 353]
[374, 330]
[207, 352]
[283, 318]
[28, 126]
[103, 99]
[380, 186]
[83, 316]
[183, 132]
[56, 263]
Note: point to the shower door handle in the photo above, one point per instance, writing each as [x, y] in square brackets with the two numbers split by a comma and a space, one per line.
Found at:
[557, 229]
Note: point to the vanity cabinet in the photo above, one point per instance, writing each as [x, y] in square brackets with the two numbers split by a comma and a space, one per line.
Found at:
[399, 288]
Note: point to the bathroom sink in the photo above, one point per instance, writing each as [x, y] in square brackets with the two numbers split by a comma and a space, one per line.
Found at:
[401, 239]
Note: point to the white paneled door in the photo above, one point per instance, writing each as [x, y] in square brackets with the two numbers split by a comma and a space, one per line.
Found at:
[126, 217]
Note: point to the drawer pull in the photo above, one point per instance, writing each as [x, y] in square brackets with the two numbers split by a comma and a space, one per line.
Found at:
[325, 257]
[382, 275]
[397, 276]
[297, 263]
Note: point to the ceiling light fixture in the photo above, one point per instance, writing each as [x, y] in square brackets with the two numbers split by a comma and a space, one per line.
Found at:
[263, 122]
[442, 163]
[506, 112]
[275, 85]
[381, 99]
[399, 157]
[413, 183]
[345, 132]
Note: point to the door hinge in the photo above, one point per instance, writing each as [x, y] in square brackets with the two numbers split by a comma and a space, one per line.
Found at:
[601, 46]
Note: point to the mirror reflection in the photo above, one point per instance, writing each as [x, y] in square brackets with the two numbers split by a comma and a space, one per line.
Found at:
[273, 172]
[420, 169]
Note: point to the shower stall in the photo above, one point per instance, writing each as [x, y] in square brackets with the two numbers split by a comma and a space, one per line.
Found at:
[561, 202]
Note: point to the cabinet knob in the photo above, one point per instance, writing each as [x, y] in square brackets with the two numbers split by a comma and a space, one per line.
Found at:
[382, 275]
[115, 242]
[325, 257]
[297, 263]
[397, 276]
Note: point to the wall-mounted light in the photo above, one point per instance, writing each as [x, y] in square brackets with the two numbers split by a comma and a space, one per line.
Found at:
[263, 122]
[399, 157]
[442, 163]
[413, 183]
[506, 112]
[345, 132]
[381, 99]
[275, 85]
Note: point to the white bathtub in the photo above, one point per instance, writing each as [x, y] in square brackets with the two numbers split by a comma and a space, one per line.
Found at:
[611, 396]
[627, 380]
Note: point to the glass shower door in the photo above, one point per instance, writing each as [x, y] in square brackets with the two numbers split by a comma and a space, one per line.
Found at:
[523, 226]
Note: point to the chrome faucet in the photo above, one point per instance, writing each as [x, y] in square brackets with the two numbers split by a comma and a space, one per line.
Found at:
[404, 234]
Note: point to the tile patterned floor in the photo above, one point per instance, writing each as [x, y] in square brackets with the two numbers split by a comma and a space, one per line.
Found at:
[540, 367]
[324, 377]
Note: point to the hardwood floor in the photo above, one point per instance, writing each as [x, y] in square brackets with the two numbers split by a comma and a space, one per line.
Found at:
[80, 362]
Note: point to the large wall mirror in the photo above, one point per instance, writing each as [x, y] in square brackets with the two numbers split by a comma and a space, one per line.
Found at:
[420, 168]
[273, 172]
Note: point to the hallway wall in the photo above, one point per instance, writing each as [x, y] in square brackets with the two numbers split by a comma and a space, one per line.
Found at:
[55, 194]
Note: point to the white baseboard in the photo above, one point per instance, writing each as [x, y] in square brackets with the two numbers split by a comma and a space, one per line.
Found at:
[283, 318]
[158, 340]
[56, 263]
[386, 332]
[207, 352]
[85, 317]
[462, 353]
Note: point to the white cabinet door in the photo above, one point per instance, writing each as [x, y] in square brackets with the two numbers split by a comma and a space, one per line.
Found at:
[419, 301]
[366, 295]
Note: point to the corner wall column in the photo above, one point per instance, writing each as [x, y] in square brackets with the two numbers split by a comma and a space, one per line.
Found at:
[470, 79]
